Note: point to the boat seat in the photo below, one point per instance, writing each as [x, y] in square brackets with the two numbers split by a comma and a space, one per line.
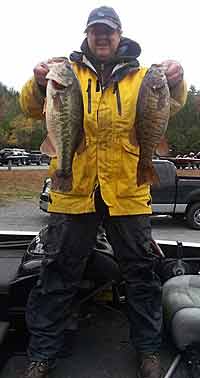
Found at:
[100, 267]
[8, 272]
[3, 330]
[181, 306]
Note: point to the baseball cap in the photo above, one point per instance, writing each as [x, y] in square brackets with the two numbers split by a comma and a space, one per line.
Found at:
[104, 15]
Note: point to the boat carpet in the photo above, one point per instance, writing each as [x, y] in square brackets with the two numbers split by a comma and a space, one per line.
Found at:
[100, 348]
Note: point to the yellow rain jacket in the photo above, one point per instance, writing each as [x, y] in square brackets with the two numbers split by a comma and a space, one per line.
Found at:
[106, 156]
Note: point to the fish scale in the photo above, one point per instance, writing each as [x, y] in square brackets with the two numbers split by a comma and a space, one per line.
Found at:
[64, 118]
[66, 135]
[152, 116]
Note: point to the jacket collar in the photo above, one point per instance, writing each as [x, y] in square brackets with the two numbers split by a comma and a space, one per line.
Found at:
[124, 61]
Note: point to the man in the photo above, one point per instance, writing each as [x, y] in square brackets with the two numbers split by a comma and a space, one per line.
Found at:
[104, 172]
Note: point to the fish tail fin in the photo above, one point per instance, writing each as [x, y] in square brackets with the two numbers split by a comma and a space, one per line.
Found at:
[146, 173]
[61, 182]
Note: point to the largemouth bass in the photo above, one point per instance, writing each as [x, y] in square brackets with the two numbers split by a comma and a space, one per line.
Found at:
[64, 120]
[152, 116]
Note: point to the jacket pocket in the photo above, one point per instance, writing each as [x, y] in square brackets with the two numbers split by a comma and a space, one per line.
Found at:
[126, 184]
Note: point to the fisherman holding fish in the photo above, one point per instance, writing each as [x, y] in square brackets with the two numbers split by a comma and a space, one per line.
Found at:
[105, 116]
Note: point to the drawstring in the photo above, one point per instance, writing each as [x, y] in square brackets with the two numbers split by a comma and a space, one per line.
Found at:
[89, 96]
[116, 91]
[98, 86]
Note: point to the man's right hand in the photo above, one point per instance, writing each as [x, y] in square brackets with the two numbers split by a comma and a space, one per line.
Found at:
[42, 69]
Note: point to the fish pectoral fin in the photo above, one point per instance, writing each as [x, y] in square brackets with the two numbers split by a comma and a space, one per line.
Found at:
[133, 137]
[47, 147]
[163, 147]
[61, 182]
[82, 145]
[146, 173]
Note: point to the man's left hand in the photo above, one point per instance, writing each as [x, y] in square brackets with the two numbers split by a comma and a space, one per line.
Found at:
[173, 71]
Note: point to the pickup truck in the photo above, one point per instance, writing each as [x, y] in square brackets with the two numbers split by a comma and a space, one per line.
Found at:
[175, 196]
[178, 196]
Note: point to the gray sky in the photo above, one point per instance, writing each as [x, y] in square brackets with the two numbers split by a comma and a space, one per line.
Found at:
[34, 30]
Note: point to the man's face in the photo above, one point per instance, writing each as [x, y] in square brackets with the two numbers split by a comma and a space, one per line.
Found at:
[103, 41]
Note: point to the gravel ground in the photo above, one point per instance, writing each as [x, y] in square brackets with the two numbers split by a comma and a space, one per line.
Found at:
[26, 216]
[22, 216]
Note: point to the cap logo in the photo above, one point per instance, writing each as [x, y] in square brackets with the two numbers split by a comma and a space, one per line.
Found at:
[100, 14]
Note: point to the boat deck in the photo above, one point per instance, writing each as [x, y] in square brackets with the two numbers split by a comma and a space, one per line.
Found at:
[100, 349]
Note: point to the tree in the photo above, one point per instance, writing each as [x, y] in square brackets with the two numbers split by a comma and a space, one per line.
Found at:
[26, 132]
[15, 128]
[184, 128]
[9, 108]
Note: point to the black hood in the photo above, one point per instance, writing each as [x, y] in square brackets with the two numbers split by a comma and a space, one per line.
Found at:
[128, 52]
[125, 60]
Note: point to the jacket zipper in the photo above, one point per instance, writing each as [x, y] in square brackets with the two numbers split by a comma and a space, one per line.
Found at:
[117, 93]
[89, 95]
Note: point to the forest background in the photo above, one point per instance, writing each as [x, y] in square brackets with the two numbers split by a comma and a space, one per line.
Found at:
[16, 130]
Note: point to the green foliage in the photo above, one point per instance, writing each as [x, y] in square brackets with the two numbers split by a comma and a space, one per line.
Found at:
[38, 135]
[15, 129]
[184, 128]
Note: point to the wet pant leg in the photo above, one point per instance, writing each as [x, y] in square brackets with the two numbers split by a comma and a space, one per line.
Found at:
[130, 238]
[69, 242]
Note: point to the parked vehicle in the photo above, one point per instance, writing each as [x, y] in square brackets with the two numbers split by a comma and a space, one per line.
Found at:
[178, 196]
[100, 307]
[14, 156]
[38, 158]
[175, 196]
[185, 162]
